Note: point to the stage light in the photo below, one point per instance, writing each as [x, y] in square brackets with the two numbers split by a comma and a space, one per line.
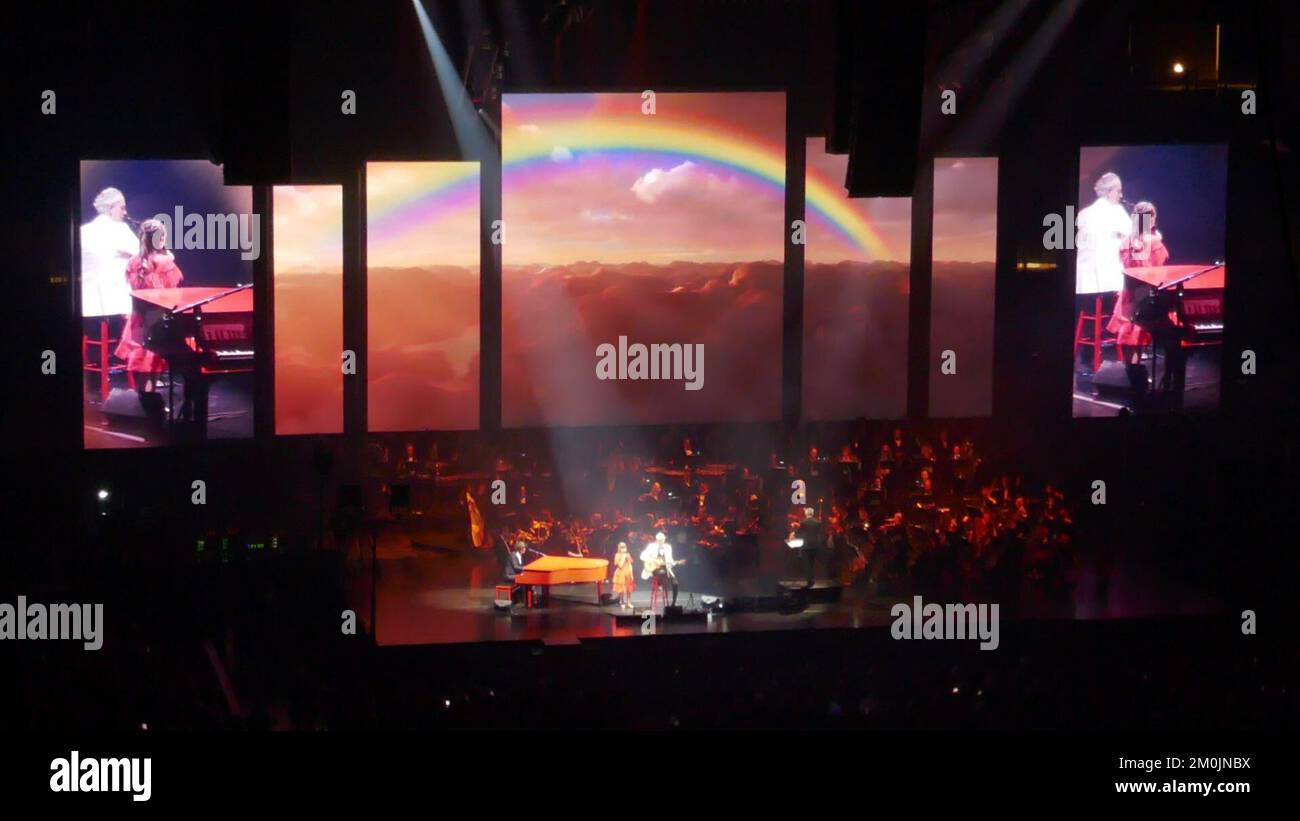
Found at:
[464, 115]
[1178, 68]
[102, 494]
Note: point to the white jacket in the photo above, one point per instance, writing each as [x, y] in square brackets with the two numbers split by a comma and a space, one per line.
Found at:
[1102, 229]
[651, 551]
[106, 247]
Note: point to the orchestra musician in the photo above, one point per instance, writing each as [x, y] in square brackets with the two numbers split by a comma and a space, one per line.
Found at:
[657, 561]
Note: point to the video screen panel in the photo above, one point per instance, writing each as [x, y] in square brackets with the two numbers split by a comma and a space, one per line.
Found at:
[1149, 242]
[857, 267]
[422, 259]
[165, 248]
[308, 282]
[642, 258]
[963, 272]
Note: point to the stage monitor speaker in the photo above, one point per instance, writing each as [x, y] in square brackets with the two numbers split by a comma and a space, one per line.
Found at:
[887, 70]
[1113, 376]
[125, 402]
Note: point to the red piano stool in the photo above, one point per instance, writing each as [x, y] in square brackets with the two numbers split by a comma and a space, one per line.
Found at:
[657, 592]
[100, 364]
[1097, 319]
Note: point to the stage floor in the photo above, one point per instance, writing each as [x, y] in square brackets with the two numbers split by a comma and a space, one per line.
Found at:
[448, 597]
[1200, 389]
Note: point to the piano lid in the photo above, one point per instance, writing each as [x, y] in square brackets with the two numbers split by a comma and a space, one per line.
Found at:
[168, 298]
[1157, 275]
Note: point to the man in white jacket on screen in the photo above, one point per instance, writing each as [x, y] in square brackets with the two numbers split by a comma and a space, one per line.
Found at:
[1103, 227]
[107, 244]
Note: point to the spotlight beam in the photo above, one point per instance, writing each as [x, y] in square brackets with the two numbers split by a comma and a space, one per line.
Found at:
[470, 135]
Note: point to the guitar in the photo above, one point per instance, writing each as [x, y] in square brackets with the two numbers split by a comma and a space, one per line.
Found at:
[654, 563]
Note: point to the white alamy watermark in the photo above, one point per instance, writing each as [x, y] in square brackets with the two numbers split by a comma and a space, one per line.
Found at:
[54, 622]
[1064, 233]
[946, 621]
[77, 774]
[212, 232]
[658, 361]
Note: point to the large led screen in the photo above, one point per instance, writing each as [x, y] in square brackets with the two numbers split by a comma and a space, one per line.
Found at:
[963, 272]
[857, 256]
[166, 302]
[642, 248]
[422, 258]
[1149, 278]
[308, 282]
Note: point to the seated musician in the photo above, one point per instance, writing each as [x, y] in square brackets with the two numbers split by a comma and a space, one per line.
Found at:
[657, 559]
[153, 267]
[653, 500]
[515, 565]
[515, 561]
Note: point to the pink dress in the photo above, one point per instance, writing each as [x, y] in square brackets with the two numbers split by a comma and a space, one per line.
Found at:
[164, 273]
[1127, 332]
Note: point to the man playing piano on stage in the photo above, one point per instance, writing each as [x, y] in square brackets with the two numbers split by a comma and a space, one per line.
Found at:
[515, 561]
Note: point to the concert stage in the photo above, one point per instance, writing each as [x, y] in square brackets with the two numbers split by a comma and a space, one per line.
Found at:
[449, 598]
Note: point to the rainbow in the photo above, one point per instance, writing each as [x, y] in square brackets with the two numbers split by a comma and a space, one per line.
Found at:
[544, 122]
[403, 198]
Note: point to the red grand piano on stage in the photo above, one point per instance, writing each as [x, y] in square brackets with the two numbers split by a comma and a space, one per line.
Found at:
[202, 333]
[549, 571]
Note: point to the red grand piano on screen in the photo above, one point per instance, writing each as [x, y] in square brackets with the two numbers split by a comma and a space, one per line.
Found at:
[1182, 307]
[203, 334]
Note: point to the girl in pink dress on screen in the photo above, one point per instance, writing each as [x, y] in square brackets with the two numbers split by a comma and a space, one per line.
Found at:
[153, 267]
[1145, 249]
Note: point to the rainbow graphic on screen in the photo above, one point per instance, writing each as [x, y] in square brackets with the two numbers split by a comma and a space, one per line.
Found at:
[422, 290]
[597, 176]
[411, 205]
[859, 229]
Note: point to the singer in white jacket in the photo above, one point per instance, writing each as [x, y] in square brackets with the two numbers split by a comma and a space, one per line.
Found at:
[1103, 229]
[658, 559]
[107, 244]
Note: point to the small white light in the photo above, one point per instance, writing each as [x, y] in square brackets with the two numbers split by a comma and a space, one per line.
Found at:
[1178, 68]
[103, 494]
